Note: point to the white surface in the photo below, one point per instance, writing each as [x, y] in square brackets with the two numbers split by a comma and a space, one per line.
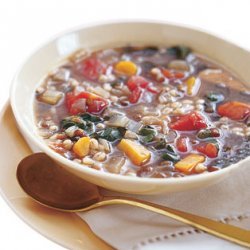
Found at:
[26, 24]
[126, 228]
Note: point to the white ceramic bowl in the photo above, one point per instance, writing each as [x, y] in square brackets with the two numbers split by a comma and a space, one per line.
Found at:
[116, 34]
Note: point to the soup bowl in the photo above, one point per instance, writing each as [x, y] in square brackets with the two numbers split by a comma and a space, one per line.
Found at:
[114, 34]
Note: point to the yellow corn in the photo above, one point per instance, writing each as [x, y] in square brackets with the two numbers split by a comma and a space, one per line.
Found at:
[189, 162]
[137, 153]
[81, 147]
[126, 68]
[191, 85]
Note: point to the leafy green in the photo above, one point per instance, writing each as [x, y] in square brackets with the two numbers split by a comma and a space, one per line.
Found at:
[179, 51]
[84, 121]
[170, 148]
[160, 144]
[208, 133]
[168, 153]
[147, 134]
[72, 121]
[214, 97]
[66, 124]
[91, 118]
[204, 133]
[170, 157]
[110, 134]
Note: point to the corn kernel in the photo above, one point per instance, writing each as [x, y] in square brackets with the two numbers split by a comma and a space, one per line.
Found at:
[81, 147]
[137, 153]
[193, 85]
[126, 68]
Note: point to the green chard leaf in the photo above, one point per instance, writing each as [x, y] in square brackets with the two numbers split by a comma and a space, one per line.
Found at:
[147, 134]
[179, 51]
[64, 124]
[91, 118]
[110, 134]
[85, 122]
[214, 97]
[160, 144]
[169, 154]
[170, 157]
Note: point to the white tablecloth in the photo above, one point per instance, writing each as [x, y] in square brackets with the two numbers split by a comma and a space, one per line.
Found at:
[126, 227]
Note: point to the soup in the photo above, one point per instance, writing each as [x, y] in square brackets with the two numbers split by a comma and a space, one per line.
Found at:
[145, 111]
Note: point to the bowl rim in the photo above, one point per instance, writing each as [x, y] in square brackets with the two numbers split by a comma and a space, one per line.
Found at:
[101, 174]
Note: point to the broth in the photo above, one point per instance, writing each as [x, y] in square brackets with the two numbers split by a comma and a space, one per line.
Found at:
[145, 111]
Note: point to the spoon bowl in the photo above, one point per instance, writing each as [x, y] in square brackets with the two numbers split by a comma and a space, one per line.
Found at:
[49, 184]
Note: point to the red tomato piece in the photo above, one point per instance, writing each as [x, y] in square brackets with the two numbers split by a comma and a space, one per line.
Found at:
[191, 121]
[167, 73]
[201, 148]
[178, 75]
[140, 82]
[215, 132]
[78, 106]
[152, 90]
[210, 149]
[234, 110]
[135, 95]
[85, 102]
[182, 144]
[172, 74]
[92, 68]
[70, 97]
[137, 81]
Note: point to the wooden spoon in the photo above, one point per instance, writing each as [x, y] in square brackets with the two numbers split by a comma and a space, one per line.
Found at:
[52, 186]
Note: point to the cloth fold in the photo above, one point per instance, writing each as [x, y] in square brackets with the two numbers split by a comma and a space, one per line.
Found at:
[125, 227]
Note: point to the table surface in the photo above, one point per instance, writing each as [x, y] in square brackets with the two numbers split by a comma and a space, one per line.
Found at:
[26, 24]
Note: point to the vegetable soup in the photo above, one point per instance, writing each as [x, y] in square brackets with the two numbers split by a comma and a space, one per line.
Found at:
[145, 111]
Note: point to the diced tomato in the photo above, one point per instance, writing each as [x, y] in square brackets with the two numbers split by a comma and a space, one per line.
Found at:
[178, 75]
[135, 95]
[70, 98]
[234, 110]
[201, 148]
[215, 132]
[85, 102]
[182, 144]
[191, 121]
[167, 73]
[210, 149]
[171, 74]
[131, 84]
[152, 90]
[140, 82]
[92, 67]
[212, 168]
[78, 106]
[136, 84]
[137, 81]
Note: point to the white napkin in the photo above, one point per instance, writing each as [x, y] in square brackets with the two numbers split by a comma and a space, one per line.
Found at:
[125, 227]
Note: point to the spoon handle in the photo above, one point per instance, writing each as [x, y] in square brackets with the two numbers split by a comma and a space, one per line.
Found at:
[219, 229]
